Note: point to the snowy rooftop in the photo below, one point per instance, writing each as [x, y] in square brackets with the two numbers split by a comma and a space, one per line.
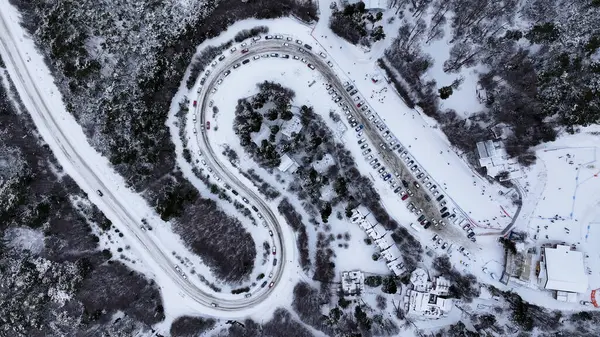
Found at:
[493, 156]
[292, 126]
[429, 305]
[565, 270]
[396, 268]
[287, 163]
[353, 282]
[419, 279]
[441, 286]
[372, 4]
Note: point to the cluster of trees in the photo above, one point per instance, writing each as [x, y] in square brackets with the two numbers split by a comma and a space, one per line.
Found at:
[409, 246]
[294, 220]
[356, 25]
[324, 266]
[340, 322]
[202, 60]
[464, 287]
[267, 190]
[252, 32]
[534, 89]
[249, 119]
[186, 326]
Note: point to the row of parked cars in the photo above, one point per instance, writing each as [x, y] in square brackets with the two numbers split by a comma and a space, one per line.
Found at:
[401, 187]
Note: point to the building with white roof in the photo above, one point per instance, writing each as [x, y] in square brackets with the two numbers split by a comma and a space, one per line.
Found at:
[426, 298]
[291, 127]
[371, 4]
[420, 280]
[288, 164]
[563, 270]
[353, 282]
[494, 158]
[382, 238]
[440, 286]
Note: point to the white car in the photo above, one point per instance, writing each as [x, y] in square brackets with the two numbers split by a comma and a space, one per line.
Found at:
[233, 49]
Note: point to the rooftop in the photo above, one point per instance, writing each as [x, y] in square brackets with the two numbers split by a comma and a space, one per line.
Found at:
[294, 125]
[287, 163]
[353, 282]
[565, 270]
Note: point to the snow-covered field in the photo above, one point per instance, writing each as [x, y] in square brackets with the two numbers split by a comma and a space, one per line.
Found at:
[561, 199]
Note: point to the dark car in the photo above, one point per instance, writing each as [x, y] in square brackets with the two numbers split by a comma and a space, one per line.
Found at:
[445, 214]
[234, 192]
[427, 225]
[307, 46]
[254, 208]
[100, 193]
[443, 209]
[421, 218]
[264, 284]
[427, 198]
[405, 183]
[245, 61]
[440, 197]
[472, 234]
[274, 262]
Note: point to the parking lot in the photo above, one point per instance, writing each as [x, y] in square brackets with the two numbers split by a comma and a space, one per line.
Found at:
[394, 164]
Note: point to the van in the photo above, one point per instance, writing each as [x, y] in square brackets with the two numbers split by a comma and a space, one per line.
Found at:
[415, 227]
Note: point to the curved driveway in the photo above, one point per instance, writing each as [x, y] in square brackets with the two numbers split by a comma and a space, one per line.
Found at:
[261, 47]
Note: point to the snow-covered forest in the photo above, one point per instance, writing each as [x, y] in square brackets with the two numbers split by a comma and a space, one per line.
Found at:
[55, 280]
[537, 64]
[118, 66]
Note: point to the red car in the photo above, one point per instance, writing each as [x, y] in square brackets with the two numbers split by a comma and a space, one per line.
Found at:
[244, 51]
[405, 197]
[207, 125]
[195, 103]
[358, 105]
